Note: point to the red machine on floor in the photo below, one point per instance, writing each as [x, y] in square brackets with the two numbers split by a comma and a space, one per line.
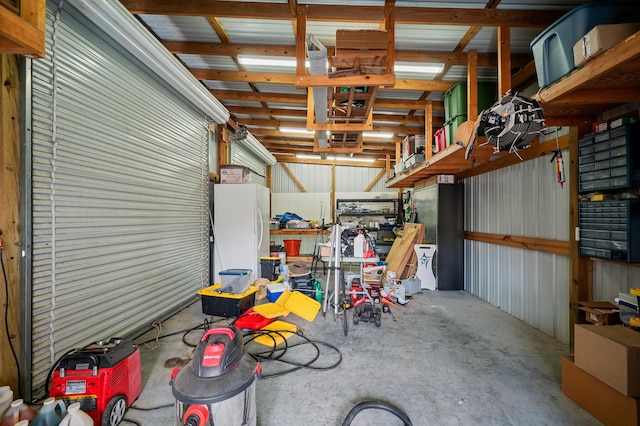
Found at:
[104, 377]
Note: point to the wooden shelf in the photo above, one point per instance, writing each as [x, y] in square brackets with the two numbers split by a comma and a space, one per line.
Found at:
[302, 231]
[483, 159]
[609, 79]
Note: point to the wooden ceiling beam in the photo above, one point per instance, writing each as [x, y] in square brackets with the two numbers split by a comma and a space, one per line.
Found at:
[235, 49]
[347, 13]
[238, 95]
[289, 158]
[291, 79]
[302, 113]
[274, 124]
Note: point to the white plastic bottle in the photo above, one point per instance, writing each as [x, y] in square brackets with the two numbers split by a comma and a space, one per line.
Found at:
[358, 246]
[6, 396]
[76, 417]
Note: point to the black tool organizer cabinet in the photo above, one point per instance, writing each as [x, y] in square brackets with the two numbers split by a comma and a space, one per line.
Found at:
[609, 164]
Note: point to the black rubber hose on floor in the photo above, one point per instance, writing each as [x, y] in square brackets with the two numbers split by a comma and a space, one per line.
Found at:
[379, 405]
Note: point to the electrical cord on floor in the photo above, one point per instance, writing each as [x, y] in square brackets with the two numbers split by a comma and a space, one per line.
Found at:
[379, 405]
[135, 407]
[275, 353]
[6, 319]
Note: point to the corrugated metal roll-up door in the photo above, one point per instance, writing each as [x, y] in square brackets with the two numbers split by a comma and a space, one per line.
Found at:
[119, 203]
[241, 155]
[246, 150]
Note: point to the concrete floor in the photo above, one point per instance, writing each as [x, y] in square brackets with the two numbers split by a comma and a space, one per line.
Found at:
[446, 358]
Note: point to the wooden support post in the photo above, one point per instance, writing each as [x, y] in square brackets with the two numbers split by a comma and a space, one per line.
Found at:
[223, 145]
[472, 85]
[504, 60]
[387, 165]
[293, 177]
[579, 266]
[373, 181]
[389, 26]
[428, 129]
[301, 27]
[268, 177]
[10, 217]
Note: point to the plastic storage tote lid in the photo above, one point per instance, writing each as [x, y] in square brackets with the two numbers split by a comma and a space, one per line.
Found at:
[235, 272]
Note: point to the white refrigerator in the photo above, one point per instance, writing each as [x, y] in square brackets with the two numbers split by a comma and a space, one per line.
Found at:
[241, 220]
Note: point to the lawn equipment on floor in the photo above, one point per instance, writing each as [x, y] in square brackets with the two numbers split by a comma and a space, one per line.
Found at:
[104, 378]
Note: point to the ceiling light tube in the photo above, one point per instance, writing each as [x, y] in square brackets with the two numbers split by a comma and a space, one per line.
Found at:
[425, 69]
[268, 61]
[381, 135]
[296, 130]
[333, 158]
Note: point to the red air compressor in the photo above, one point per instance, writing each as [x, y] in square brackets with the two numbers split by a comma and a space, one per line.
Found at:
[104, 377]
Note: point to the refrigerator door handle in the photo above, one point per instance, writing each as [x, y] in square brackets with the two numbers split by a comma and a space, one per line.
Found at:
[261, 229]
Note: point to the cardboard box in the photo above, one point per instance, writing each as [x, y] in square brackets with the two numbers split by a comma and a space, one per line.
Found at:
[601, 401]
[601, 38]
[234, 174]
[600, 313]
[611, 353]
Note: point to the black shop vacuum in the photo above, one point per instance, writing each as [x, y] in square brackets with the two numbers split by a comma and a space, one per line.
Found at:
[217, 387]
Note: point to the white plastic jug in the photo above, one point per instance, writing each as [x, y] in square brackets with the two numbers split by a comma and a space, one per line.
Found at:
[6, 396]
[16, 412]
[76, 417]
[48, 415]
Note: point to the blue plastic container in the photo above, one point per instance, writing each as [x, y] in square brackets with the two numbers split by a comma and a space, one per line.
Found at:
[553, 48]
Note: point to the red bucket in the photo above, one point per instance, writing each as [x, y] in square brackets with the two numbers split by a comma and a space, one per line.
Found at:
[292, 247]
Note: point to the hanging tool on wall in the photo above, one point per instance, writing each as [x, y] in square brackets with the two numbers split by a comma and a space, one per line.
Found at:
[557, 155]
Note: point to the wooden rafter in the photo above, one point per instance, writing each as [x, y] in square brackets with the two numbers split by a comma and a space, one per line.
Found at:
[22, 30]
[348, 13]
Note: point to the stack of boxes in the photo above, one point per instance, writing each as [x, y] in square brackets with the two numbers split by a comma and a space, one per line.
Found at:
[603, 376]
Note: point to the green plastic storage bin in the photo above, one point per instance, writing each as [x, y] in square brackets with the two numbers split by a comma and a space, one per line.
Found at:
[455, 99]
[452, 125]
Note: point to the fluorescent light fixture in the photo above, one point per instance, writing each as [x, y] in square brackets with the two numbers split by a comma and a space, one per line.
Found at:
[269, 62]
[296, 130]
[332, 158]
[425, 69]
[381, 135]
[291, 63]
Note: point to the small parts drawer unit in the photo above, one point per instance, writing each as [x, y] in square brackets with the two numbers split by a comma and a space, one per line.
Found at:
[610, 160]
[610, 229]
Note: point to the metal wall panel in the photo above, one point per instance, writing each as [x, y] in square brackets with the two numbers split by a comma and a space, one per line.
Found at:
[357, 179]
[119, 202]
[610, 278]
[313, 177]
[521, 200]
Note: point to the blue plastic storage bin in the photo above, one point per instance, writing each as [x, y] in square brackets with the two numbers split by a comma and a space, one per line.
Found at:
[553, 48]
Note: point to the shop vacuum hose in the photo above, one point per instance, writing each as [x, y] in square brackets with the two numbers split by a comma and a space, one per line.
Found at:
[379, 405]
